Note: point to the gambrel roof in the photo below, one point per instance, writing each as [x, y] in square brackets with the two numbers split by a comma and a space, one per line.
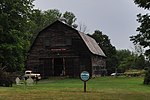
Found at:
[89, 41]
[91, 44]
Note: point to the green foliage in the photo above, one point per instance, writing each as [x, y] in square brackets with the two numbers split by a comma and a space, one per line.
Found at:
[126, 63]
[124, 53]
[124, 60]
[143, 37]
[104, 42]
[147, 77]
[143, 3]
[5, 79]
[51, 16]
[69, 18]
[140, 62]
[41, 19]
[19, 23]
[110, 51]
[14, 16]
[129, 60]
[134, 73]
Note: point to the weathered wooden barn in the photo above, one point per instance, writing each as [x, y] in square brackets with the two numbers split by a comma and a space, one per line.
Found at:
[62, 50]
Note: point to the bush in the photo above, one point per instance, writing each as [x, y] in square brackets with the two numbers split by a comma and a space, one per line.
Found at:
[134, 73]
[5, 79]
[147, 77]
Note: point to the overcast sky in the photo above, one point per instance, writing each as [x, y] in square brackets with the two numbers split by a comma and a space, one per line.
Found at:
[115, 18]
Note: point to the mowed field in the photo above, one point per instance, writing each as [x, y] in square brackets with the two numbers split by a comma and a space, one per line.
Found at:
[102, 88]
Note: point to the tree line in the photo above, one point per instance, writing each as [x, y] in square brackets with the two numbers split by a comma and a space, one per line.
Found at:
[20, 23]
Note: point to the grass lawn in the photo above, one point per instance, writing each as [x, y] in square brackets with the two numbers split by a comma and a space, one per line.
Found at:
[102, 88]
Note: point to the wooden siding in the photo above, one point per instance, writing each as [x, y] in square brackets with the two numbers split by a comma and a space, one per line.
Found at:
[98, 66]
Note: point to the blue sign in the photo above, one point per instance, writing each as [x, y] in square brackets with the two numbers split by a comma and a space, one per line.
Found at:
[85, 76]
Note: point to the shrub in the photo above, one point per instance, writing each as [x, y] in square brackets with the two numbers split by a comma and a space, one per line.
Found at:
[134, 73]
[5, 79]
[147, 77]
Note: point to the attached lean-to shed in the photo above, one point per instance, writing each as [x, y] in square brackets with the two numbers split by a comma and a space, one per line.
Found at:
[62, 50]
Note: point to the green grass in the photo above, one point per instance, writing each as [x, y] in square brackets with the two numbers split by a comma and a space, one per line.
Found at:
[102, 88]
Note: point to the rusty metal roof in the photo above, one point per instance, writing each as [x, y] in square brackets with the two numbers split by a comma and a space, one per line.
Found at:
[92, 44]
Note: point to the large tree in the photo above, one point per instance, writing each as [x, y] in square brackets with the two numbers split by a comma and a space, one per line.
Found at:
[110, 51]
[143, 37]
[14, 16]
[125, 60]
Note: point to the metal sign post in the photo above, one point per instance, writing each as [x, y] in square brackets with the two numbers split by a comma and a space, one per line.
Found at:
[85, 77]
[84, 86]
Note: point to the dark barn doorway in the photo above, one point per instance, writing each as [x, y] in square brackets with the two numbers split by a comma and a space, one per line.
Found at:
[58, 66]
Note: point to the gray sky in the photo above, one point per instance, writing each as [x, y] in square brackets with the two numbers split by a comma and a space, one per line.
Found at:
[115, 18]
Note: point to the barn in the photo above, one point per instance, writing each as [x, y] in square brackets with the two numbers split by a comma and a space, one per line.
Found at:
[60, 50]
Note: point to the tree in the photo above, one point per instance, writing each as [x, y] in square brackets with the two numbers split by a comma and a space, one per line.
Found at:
[140, 62]
[147, 77]
[51, 16]
[37, 21]
[138, 49]
[130, 60]
[82, 28]
[139, 59]
[14, 16]
[110, 51]
[143, 3]
[125, 59]
[143, 37]
[41, 19]
[69, 18]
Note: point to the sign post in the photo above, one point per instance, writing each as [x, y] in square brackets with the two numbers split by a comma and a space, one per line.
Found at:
[85, 77]
[84, 86]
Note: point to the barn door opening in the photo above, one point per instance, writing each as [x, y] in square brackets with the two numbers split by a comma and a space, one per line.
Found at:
[58, 66]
